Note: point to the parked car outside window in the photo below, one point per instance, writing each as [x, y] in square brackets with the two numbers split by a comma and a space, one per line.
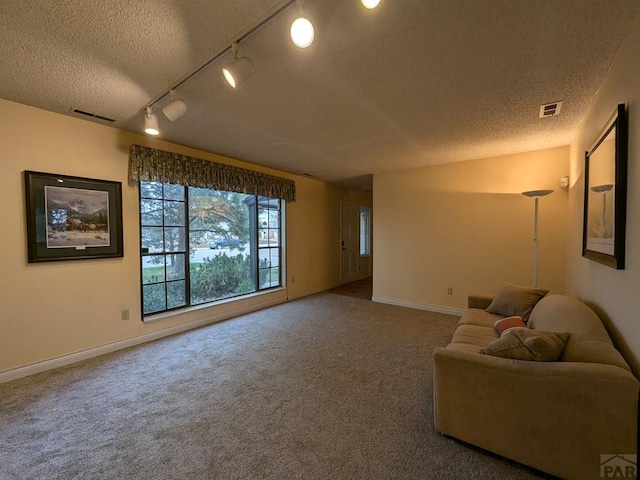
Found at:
[225, 243]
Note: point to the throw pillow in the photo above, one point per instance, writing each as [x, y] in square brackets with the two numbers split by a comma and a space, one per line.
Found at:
[505, 324]
[516, 300]
[525, 344]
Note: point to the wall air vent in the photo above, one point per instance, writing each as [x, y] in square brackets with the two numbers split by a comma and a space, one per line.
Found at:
[550, 109]
[92, 115]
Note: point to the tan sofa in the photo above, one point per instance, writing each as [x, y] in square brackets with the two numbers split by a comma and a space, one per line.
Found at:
[558, 417]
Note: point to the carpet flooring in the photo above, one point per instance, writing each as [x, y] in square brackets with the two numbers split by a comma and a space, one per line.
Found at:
[325, 387]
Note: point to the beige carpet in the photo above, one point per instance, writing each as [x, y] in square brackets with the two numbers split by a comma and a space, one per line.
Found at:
[326, 387]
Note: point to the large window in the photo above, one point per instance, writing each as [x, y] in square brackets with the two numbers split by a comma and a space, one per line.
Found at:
[200, 245]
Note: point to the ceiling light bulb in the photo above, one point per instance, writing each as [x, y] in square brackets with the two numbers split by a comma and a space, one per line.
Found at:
[302, 32]
[151, 123]
[370, 4]
[236, 73]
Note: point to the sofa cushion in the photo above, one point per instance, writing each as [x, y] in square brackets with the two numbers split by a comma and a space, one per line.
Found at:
[482, 318]
[525, 344]
[516, 300]
[471, 338]
[506, 324]
[474, 334]
[589, 341]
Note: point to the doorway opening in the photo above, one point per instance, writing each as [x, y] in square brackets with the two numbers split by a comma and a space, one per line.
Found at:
[355, 242]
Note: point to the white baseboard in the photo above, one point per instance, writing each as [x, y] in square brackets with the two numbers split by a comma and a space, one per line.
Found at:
[420, 306]
[61, 361]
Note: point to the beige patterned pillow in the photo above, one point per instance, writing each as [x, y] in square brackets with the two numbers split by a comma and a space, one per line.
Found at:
[514, 300]
[524, 344]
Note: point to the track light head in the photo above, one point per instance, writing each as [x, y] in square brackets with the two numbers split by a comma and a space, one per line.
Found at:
[370, 4]
[239, 70]
[302, 32]
[175, 109]
[151, 123]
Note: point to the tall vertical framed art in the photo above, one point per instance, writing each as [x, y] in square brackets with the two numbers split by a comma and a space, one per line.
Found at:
[605, 193]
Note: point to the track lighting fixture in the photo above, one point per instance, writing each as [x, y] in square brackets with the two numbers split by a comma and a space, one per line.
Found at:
[370, 4]
[174, 109]
[302, 32]
[239, 70]
[151, 123]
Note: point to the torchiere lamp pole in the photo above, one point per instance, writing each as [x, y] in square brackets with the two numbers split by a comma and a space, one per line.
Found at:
[536, 194]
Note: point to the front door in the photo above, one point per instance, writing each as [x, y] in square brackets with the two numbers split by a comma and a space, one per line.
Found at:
[350, 242]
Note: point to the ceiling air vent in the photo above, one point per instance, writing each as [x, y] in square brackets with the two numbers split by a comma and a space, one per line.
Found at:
[550, 109]
[92, 115]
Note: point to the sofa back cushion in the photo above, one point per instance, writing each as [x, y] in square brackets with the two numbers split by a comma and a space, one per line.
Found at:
[589, 341]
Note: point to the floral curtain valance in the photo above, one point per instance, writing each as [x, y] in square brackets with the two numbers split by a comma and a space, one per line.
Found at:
[152, 165]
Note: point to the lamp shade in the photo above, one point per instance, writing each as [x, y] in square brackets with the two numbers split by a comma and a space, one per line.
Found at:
[174, 109]
[151, 124]
[239, 70]
[602, 188]
[537, 193]
[302, 32]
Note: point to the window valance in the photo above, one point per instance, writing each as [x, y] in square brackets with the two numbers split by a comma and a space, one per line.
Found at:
[152, 165]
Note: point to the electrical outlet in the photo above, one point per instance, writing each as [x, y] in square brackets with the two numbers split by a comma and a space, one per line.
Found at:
[450, 291]
[293, 279]
[124, 314]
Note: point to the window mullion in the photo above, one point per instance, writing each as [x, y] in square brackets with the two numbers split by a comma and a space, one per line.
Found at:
[164, 250]
[187, 254]
[254, 246]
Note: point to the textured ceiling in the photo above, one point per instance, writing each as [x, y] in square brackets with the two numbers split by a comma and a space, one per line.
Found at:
[411, 83]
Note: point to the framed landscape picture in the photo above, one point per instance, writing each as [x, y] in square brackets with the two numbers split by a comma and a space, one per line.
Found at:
[72, 218]
[605, 193]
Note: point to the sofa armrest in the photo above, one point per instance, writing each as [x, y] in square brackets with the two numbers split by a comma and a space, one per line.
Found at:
[479, 301]
[558, 417]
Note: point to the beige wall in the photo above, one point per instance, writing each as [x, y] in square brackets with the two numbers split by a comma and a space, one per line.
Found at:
[466, 226]
[613, 293]
[316, 214]
[55, 309]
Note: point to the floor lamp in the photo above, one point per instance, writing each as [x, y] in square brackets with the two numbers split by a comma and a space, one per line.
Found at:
[536, 194]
